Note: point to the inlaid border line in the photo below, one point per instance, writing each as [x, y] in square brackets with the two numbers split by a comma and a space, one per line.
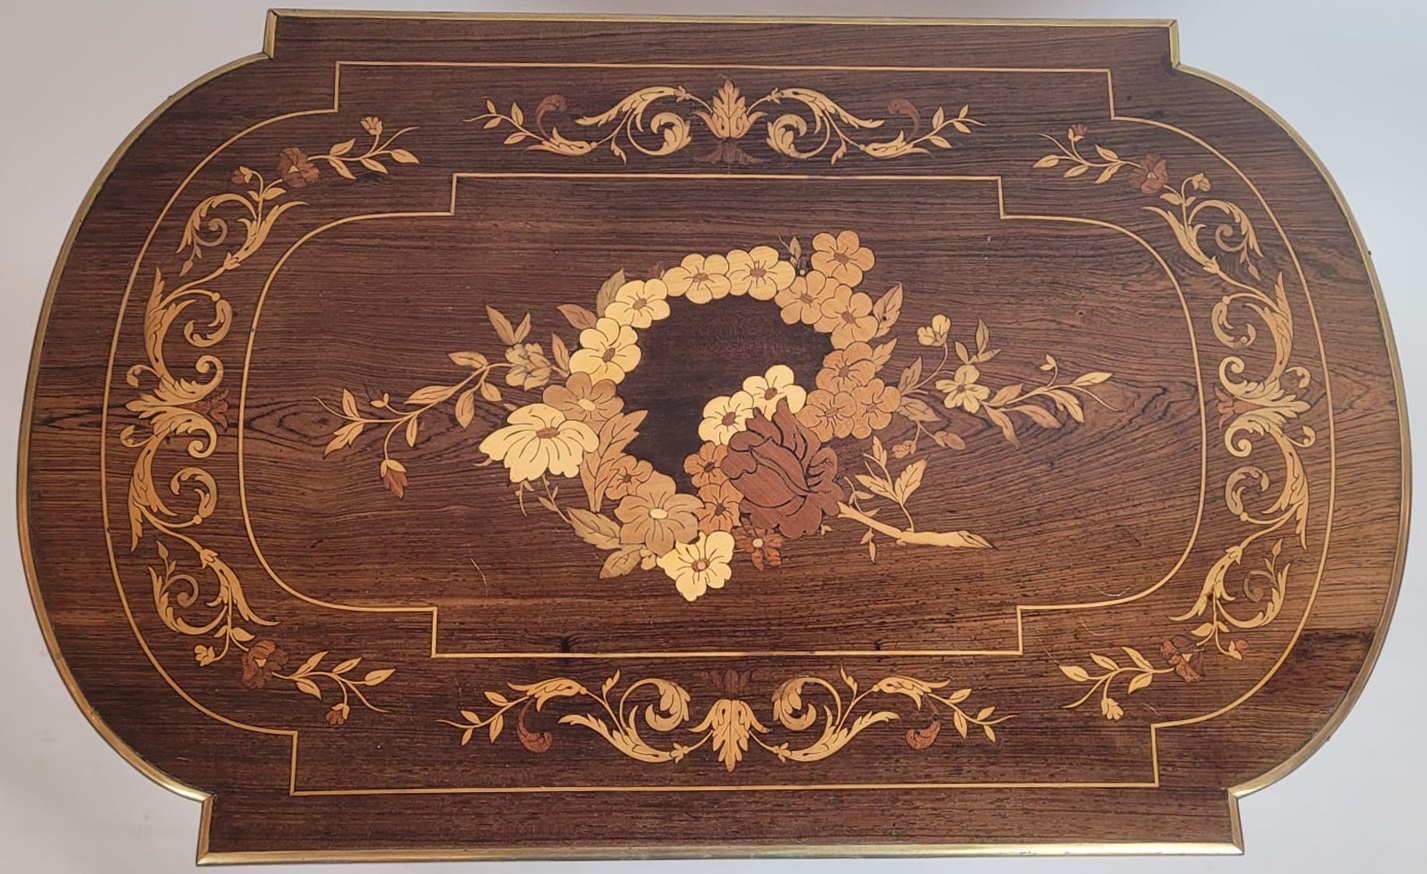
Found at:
[1002, 214]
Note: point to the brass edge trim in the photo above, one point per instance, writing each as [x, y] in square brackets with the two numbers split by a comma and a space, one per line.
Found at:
[633, 18]
[270, 33]
[1350, 698]
[205, 822]
[206, 856]
[127, 752]
[646, 852]
[1236, 825]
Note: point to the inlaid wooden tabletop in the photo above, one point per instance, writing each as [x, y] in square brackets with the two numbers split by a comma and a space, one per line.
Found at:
[464, 437]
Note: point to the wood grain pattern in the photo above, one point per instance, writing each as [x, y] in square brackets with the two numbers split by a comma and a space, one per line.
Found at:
[505, 438]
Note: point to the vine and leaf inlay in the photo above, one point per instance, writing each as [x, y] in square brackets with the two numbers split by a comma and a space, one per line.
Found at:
[767, 473]
[817, 125]
[730, 725]
[1253, 409]
[191, 407]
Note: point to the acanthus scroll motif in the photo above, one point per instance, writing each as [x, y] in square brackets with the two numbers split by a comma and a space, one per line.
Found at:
[730, 724]
[1268, 407]
[194, 407]
[813, 125]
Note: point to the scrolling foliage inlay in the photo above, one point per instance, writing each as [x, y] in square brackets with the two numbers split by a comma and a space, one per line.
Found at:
[730, 724]
[817, 124]
[193, 408]
[1252, 409]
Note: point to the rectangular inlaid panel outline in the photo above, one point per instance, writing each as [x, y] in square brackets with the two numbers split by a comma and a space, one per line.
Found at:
[829, 652]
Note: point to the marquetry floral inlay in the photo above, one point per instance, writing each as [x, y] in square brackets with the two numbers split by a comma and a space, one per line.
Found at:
[767, 473]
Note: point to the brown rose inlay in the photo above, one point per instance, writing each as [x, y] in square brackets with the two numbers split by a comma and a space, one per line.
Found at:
[788, 479]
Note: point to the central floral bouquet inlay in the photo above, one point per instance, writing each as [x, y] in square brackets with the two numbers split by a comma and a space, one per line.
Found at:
[766, 473]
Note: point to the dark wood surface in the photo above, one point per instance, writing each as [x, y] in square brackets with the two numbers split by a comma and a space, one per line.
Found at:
[1144, 497]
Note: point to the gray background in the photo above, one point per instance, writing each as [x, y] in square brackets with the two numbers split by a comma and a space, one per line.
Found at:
[75, 77]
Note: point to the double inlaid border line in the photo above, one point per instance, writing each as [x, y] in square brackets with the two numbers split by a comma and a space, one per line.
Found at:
[635, 178]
